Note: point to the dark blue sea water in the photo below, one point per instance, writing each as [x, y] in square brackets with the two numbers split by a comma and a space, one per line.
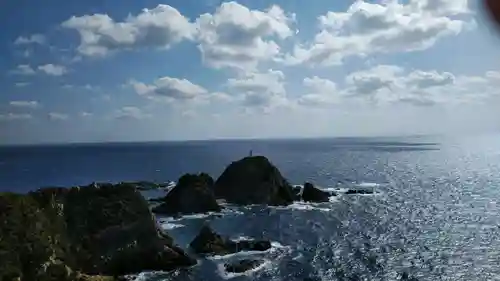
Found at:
[435, 216]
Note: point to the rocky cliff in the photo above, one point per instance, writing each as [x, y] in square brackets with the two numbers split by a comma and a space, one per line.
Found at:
[82, 234]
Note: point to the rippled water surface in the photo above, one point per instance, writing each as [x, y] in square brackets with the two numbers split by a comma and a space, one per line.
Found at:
[435, 216]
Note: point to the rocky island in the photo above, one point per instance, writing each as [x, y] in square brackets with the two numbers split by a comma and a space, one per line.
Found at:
[104, 231]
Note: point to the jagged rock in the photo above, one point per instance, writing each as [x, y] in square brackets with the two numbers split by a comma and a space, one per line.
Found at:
[210, 243]
[99, 230]
[192, 194]
[253, 180]
[242, 265]
[312, 194]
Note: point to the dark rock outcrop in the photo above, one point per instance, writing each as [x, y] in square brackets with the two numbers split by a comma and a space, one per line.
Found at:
[359, 191]
[312, 194]
[210, 243]
[242, 265]
[253, 180]
[192, 194]
[71, 234]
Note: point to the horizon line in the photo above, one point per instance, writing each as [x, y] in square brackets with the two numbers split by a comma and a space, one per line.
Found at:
[212, 140]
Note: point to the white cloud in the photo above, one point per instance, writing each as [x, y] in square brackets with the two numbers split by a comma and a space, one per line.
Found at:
[22, 84]
[443, 7]
[370, 81]
[160, 27]
[86, 87]
[14, 116]
[86, 114]
[319, 92]
[55, 116]
[49, 69]
[172, 88]
[131, 112]
[260, 89]
[235, 36]
[367, 28]
[221, 97]
[422, 79]
[23, 69]
[53, 69]
[32, 39]
[391, 84]
[26, 104]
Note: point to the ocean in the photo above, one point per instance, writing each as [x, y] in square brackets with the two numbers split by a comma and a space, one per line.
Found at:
[434, 216]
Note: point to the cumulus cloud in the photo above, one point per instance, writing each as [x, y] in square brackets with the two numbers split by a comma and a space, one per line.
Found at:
[261, 89]
[53, 69]
[55, 116]
[172, 88]
[422, 79]
[160, 27]
[14, 116]
[235, 36]
[367, 28]
[370, 81]
[393, 84]
[443, 7]
[32, 39]
[23, 69]
[26, 104]
[319, 92]
[131, 112]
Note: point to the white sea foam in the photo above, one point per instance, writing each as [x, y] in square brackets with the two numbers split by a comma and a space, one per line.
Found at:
[242, 254]
[334, 189]
[298, 257]
[198, 216]
[241, 238]
[275, 247]
[231, 211]
[305, 206]
[140, 277]
[229, 275]
[169, 226]
[369, 184]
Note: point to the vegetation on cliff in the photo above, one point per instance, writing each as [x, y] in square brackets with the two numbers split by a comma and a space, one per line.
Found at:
[96, 230]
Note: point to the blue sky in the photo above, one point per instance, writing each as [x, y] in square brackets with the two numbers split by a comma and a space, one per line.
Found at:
[81, 71]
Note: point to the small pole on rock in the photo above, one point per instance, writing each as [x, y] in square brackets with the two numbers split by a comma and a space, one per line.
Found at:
[251, 153]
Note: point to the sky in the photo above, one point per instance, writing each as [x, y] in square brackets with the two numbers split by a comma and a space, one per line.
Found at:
[105, 71]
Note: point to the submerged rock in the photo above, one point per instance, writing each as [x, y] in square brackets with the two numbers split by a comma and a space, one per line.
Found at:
[192, 194]
[210, 243]
[242, 265]
[253, 180]
[72, 234]
[359, 191]
[312, 194]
